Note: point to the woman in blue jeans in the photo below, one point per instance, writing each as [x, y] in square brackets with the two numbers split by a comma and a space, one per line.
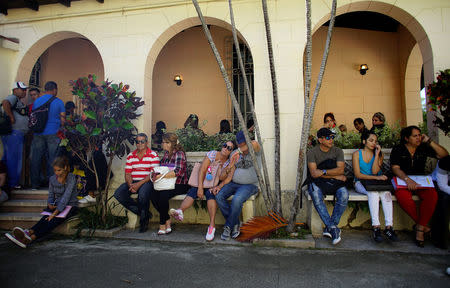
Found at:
[201, 193]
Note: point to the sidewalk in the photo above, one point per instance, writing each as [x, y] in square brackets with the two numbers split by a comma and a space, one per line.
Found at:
[353, 240]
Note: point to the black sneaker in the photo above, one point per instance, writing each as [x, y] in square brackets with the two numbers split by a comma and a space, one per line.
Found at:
[226, 235]
[335, 235]
[376, 234]
[326, 232]
[390, 234]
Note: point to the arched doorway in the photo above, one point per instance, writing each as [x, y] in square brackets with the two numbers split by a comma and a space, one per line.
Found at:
[60, 57]
[387, 86]
[202, 91]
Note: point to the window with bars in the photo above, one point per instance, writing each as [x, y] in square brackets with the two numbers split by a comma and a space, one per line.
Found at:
[35, 77]
[237, 80]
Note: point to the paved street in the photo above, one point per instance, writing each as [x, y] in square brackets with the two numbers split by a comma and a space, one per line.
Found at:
[133, 263]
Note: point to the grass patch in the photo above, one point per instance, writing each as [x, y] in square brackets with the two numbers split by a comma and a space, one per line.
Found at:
[300, 232]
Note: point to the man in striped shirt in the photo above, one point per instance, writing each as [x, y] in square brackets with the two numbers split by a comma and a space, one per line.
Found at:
[138, 168]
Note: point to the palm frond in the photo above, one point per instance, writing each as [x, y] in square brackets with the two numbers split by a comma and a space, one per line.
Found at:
[261, 227]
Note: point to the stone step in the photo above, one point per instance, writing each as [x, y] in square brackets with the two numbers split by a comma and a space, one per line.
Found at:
[30, 194]
[9, 220]
[23, 205]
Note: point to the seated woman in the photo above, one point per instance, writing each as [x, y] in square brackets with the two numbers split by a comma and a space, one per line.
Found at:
[224, 126]
[157, 137]
[442, 212]
[367, 165]
[62, 192]
[201, 193]
[408, 158]
[173, 155]
[378, 123]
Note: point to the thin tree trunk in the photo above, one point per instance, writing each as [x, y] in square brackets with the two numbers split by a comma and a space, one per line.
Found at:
[105, 192]
[252, 107]
[309, 112]
[276, 108]
[235, 104]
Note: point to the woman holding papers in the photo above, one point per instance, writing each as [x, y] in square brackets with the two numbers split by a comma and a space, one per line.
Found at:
[408, 158]
[367, 166]
[61, 204]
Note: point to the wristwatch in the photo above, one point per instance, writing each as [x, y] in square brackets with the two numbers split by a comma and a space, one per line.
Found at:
[324, 171]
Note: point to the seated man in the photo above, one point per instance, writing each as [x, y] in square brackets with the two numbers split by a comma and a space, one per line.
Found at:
[139, 165]
[326, 168]
[244, 184]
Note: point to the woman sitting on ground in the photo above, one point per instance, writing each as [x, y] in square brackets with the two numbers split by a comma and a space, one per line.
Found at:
[173, 156]
[200, 193]
[408, 158]
[367, 166]
[62, 193]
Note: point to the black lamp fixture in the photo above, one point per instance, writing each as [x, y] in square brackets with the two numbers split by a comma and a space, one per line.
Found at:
[363, 69]
[178, 79]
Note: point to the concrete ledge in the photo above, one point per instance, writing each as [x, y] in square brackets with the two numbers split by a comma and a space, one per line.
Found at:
[306, 243]
[100, 232]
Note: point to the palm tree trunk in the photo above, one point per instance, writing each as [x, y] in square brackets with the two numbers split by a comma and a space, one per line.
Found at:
[309, 109]
[252, 107]
[261, 182]
[276, 109]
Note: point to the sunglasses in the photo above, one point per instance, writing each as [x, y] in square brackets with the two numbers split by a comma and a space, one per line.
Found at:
[329, 137]
[229, 148]
[141, 141]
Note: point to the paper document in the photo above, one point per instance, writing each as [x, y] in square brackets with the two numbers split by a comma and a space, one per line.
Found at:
[423, 181]
[62, 214]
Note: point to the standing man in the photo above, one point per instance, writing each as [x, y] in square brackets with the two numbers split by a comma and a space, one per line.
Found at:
[326, 168]
[47, 140]
[138, 168]
[13, 143]
[244, 184]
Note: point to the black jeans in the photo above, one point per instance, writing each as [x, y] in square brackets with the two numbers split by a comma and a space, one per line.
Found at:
[43, 227]
[142, 206]
[440, 220]
[160, 200]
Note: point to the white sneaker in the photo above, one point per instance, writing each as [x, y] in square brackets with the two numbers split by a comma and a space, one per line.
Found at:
[15, 241]
[87, 199]
[210, 233]
[177, 214]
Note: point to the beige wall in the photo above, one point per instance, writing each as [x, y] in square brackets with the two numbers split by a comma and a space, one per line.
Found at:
[202, 91]
[348, 94]
[67, 60]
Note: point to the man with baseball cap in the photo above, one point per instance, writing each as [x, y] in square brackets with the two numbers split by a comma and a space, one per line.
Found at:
[244, 184]
[13, 143]
[326, 174]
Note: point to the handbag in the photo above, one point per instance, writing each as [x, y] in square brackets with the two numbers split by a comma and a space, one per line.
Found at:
[163, 183]
[214, 169]
[377, 185]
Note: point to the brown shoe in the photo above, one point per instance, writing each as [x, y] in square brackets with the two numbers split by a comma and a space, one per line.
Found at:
[20, 235]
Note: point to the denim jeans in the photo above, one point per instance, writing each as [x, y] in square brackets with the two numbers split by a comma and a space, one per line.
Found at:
[241, 193]
[141, 208]
[12, 156]
[339, 207]
[40, 145]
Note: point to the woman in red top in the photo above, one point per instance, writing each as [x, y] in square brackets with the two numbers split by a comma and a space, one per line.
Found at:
[175, 157]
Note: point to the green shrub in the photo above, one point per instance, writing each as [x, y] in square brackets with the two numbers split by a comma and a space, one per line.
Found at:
[194, 140]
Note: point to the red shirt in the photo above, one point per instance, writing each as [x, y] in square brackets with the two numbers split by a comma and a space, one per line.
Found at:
[141, 168]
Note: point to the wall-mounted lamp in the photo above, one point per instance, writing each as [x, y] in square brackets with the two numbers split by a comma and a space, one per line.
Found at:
[178, 79]
[363, 69]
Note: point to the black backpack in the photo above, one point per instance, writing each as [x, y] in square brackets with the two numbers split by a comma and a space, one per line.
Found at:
[5, 122]
[39, 116]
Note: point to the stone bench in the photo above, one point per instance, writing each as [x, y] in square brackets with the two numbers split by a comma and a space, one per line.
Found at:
[313, 219]
[315, 223]
[248, 210]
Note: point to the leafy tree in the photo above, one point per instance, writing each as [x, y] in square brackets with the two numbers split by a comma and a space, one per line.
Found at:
[105, 124]
[438, 95]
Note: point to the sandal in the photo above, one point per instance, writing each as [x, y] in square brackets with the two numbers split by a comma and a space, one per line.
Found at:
[419, 243]
[161, 232]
